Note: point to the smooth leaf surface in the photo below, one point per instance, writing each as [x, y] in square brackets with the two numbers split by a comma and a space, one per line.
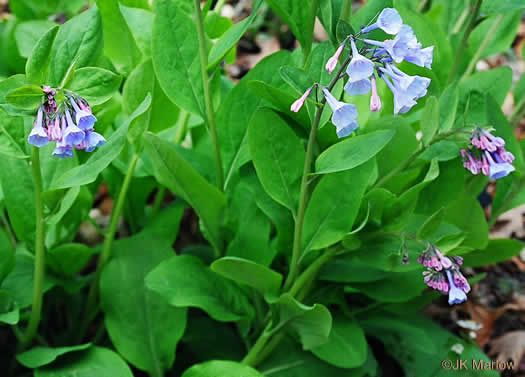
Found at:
[37, 66]
[352, 152]
[278, 156]
[184, 281]
[27, 97]
[243, 271]
[346, 346]
[95, 85]
[136, 317]
[174, 172]
[175, 51]
[331, 212]
[221, 368]
[79, 42]
[95, 361]
[39, 356]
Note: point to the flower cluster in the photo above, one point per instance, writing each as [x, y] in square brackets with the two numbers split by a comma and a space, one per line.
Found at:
[55, 123]
[377, 58]
[486, 154]
[443, 274]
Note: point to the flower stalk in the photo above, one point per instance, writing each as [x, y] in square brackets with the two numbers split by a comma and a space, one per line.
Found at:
[208, 100]
[40, 254]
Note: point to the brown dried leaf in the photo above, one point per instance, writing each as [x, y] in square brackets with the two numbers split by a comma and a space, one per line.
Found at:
[486, 318]
[509, 346]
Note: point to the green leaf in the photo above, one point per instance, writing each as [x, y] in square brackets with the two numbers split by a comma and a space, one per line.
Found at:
[281, 99]
[346, 346]
[331, 212]
[79, 41]
[176, 56]
[250, 273]
[231, 37]
[12, 136]
[430, 119]
[431, 225]
[220, 368]
[9, 311]
[497, 250]
[95, 361]
[95, 85]
[37, 66]
[89, 171]
[352, 152]
[27, 97]
[501, 6]
[174, 172]
[448, 105]
[239, 107]
[119, 45]
[329, 12]
[140, 23]
[7, 256]
[65, 205]
[343, 30]
[215, 25]
[137, 321]
[162, 114]
[39, 356]
[278, 156]
[311, 323]
[19, 198]
[299, 18]
[19, 282]
[466, 213]
[288, 360]
[184, 281]
[28, 33]
[69, 259]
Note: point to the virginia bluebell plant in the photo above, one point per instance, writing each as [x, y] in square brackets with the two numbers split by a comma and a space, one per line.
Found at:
[377, 58]
[55, 123]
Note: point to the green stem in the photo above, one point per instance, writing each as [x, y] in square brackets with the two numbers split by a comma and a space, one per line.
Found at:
[39, 272]
[219, 5]
[488, 37]
[303, 194]
[461, 20]
[252, 356]
[464, 41]
[208, 100]
[105, 254]
[414, 157]
[268, 340]
[346, 10]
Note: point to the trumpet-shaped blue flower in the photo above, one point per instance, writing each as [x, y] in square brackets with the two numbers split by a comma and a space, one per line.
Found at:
[63, 150]
[344, 115]
[403, 101]
[414, 86]
[93, 140]
[400, 46]
[38, 135]
[73, 135]
[497, 167]
[360, 67]
[84, 118]
[389, 21]
[358, 87]
[421, 56]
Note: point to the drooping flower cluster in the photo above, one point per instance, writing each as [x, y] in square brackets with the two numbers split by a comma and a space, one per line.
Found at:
[486, 154]
[376, 58]
[55, 123]
[443, 274]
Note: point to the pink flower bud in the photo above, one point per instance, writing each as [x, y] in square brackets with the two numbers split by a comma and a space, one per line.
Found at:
[332, 62]
[375, 101]
[296, 106]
